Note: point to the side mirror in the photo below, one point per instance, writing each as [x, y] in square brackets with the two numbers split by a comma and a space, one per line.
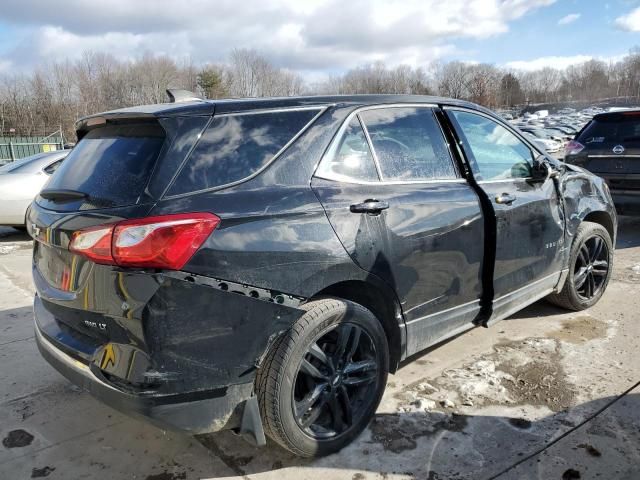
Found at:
[540, 170]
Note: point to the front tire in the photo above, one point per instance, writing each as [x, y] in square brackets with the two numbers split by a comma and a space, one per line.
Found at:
[590, 268]
[321, 382]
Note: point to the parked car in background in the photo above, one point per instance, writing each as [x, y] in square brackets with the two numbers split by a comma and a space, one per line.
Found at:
[546, 144]
[609, 146]
[263, 264]
[561, 133]
[20, 182]
[551, 144]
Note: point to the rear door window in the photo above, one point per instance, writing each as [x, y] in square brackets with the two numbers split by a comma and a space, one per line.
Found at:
[350, 159]
[236, 146]
[111, 164]
[408, 144]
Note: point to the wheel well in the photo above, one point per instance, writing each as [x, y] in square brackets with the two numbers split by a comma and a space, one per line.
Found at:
[604, 219]
[381, 304]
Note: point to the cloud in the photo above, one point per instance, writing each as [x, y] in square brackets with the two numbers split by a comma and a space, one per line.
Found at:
[558, 62]
[5, 66]
[311, 35]
[629, 22]
[567, 19]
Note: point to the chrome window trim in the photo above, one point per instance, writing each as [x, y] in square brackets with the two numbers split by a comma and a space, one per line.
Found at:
[505, 180]
[338, 136]
[341, 179]
[272, 110]
[321, 110]
[614, 156]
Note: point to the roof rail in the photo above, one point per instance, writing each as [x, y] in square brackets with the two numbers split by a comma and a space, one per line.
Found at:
[177, 95]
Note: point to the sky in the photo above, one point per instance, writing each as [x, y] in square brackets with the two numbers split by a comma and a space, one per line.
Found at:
[322, 37]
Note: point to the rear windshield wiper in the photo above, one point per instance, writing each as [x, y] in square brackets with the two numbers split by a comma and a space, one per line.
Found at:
[60, 195]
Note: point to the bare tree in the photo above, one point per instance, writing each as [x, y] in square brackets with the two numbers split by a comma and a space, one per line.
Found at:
[58, 93]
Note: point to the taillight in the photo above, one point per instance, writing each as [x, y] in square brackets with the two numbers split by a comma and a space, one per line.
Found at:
[94, 243]
[165, 241]
[573, 148]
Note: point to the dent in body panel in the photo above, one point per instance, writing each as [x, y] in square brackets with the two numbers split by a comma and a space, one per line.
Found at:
[169, 332]
[209, 336]
[583, 194]
[530, 235]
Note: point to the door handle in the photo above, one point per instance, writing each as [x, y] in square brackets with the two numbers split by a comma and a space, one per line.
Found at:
[505, 198]
[371, 206]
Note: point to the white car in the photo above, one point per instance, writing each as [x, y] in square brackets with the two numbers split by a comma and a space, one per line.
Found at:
[21, 181]
[551, 146]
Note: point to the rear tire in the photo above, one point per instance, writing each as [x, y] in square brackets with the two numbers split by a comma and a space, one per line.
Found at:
[321, 382]
[590, 267]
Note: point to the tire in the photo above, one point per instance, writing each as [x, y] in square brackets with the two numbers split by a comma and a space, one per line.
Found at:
[572, 297]
[284, 384]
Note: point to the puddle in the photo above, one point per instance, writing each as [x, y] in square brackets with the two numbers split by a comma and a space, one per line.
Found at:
[41, 472]
[167, 476]
[520, 423]
[580, 329]
[398, 433]
[17, 439]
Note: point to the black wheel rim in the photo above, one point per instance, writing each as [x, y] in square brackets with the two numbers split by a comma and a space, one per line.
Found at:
[336, 382]
[592, 267]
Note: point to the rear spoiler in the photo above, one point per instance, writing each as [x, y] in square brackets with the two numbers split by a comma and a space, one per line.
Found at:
[183, 103]
[85, 125]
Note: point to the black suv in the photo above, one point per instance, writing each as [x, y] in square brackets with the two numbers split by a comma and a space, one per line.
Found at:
[609, 146]
[262, 265]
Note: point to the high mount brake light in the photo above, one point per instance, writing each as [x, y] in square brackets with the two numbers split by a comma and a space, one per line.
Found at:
[165, 241]
[573, 148]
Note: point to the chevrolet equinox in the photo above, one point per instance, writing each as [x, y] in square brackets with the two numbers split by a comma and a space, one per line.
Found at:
[262, 265]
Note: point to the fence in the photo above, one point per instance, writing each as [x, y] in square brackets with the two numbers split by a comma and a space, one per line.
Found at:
[15, 147]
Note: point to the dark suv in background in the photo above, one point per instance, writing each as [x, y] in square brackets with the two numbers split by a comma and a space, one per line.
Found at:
[262, 265]
[609, 146]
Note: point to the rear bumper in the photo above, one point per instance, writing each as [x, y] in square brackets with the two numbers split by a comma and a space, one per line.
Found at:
[196, 412]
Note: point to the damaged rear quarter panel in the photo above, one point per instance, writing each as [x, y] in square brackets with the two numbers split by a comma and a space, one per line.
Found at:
[208, 336]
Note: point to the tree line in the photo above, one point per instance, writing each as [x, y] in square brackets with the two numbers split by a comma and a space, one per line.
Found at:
[57, 94]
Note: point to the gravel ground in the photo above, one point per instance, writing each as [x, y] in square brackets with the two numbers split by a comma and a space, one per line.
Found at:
[545, 394]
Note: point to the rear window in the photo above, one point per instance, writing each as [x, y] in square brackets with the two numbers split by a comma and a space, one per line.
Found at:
[616, 128]
[236, 146]
[111, 164]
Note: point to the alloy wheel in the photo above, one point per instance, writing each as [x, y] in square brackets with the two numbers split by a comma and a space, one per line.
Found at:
[335, 382]
[592, 267]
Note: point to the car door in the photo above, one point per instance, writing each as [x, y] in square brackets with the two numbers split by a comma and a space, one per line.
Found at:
[393, 194]
[529, 225]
